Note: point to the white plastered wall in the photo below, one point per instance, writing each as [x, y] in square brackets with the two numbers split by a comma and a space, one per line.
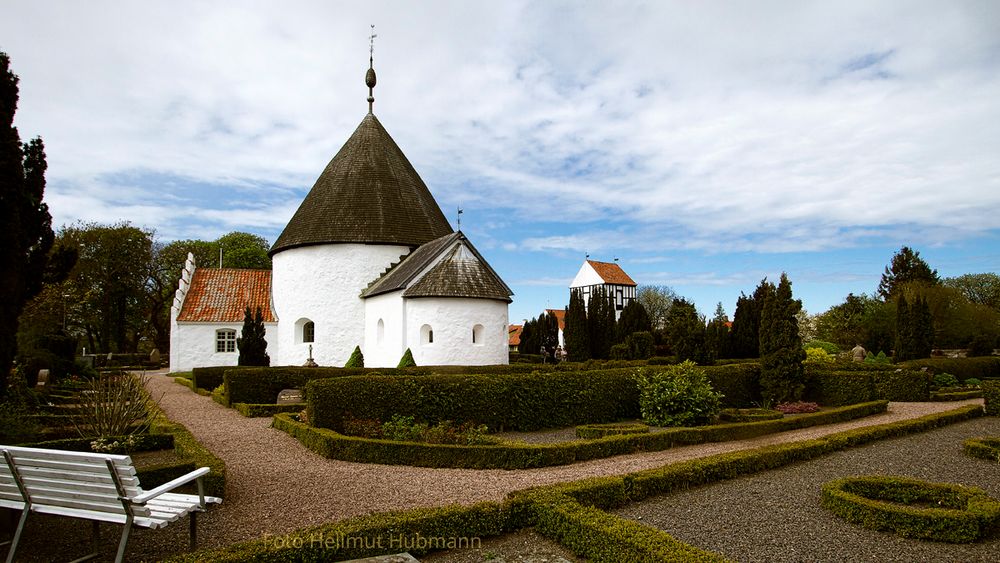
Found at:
[452, 320]
[193, 345]
[323, 283]
[390, 309]
[586, 276]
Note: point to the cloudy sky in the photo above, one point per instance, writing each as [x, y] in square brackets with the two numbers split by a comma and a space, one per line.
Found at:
[704, 144]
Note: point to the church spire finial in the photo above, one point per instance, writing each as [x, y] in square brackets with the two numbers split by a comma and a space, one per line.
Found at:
[370, 75]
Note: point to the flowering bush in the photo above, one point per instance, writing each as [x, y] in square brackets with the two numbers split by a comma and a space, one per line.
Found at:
[798, 407]
[817, 356]
[124, 445]
[678, 395]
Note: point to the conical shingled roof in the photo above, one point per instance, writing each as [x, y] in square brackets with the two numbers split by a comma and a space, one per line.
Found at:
[369, 193]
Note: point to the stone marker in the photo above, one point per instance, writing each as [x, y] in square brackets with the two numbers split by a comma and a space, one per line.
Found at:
[290, 396]
[43, 378]
[154, 357]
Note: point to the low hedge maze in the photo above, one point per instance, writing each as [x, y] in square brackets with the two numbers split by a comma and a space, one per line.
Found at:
[913, 509]
[573, 514]
[331, 444]
[984, 448]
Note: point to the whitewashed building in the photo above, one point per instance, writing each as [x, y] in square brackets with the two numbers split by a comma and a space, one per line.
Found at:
[617, 285]
[367, 260]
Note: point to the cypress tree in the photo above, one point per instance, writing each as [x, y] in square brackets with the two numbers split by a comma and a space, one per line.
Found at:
[904, 330]
[782, 377]
[251, 344]
[634, 319]
[27, 226]
[529, 338]
[548, 330]
[717, 335]
[745, 340]
[576, 335]
[601, 322]
[686, 332]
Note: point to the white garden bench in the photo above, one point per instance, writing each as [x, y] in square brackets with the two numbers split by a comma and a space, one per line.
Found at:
[92, 486]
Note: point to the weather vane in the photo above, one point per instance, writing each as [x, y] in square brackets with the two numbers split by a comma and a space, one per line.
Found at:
[370, 75]
[460, 217]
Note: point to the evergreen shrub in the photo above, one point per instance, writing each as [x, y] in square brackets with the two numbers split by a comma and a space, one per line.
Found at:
[591, 431]
[407, 360]
[962, 368]
[984, 448]
[828, 347]
[991, 396]
[945, 380]
[620, 352]
[357, 359]
[502, 401]
[679, 395]
[818, 356]
[913, 509]
[749, 415]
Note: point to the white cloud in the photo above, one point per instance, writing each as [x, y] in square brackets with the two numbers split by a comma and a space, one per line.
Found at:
[769, 127]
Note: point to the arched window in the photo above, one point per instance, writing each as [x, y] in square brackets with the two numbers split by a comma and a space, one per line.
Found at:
[477, 335]
[426, 334]
[309, 332]
[380, 332]
[225, 340]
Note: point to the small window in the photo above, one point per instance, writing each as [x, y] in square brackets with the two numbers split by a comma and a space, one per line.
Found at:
[225, 340]
[477, 334]
[426, 334]
[309, 332]
[380, 332]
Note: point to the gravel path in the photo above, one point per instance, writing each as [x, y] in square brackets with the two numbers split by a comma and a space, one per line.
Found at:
[274, 485]
[776, 515]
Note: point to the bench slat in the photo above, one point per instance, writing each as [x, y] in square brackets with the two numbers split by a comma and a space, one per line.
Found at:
[45, 473]
[101, 469]
[110, 506]
[82, 457]
[141, 521]
[79, 485]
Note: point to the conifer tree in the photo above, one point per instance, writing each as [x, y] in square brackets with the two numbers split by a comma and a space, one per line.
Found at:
[357, 359]
[782, 377]
[548, 331]
[914, 329]
[407, 360]
[906, 266]
[686, 332]
[745, 336]
[717, 334]
[601, 322]
[576, 335]
[251, 344]
[529, 339]
[634, 319]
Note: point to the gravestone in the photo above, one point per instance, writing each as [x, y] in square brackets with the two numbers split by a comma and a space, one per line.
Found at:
[154, 357]
[290, 396]
[43, 378]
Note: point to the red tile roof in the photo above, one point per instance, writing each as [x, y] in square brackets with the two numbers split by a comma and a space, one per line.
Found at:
[560, 315]
[611, 272]
[221, 295]
[514, 334]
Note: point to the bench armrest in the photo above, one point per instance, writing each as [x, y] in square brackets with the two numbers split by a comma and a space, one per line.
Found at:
[167, 487]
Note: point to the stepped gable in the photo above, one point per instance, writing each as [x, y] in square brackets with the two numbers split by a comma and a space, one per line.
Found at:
[221, 295]
[369, 193]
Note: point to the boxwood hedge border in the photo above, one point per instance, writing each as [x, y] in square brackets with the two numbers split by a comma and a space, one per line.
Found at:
[983, 448]
[882, 503]
[573, 514]
[333, 445]
[593, 431]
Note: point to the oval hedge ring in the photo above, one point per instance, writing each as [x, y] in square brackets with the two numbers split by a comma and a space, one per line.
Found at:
[984, 448]
[913, 509]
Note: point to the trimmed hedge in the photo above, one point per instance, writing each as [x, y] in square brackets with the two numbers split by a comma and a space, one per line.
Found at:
[187, 446]
[844, 387]
[983, 448]
[502, 402]
[592, 431]
[738, 383]
[514, 455]
[962, 368]
[417, 531]
[254, 411]
[550, 509]
[185, 382]
[208, 378]
[749, 415]
[991, 395]
[942, 396]
[886, 504]
[148, 443]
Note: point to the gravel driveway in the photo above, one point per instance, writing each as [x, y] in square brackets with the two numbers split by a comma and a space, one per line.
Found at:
[275, 485]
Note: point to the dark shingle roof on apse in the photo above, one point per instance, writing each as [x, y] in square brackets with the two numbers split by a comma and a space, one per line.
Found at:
[369, 193]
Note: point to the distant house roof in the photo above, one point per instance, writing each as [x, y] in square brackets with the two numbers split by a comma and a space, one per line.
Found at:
[611, 272]
[463, 272]
[514, 335]
[369, 193]
[221, 295]
[560, 315]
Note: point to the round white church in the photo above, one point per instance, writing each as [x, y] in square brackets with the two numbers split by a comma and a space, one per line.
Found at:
[367, 260]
